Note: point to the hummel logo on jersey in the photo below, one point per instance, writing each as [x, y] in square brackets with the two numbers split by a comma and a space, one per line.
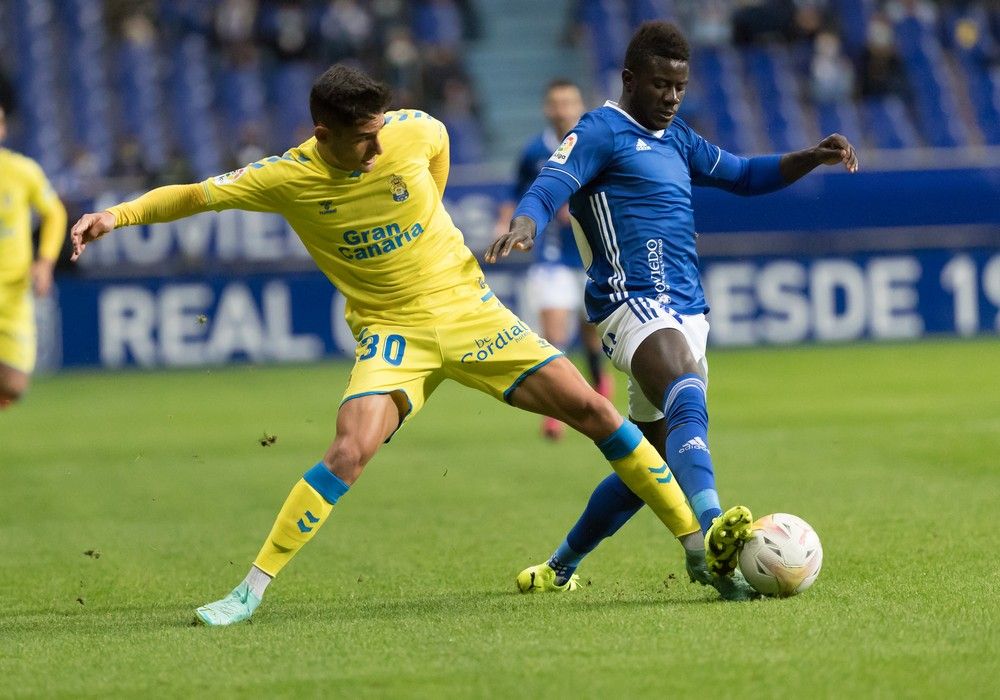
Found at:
[695, 443]
[326, 207]
[641, 145]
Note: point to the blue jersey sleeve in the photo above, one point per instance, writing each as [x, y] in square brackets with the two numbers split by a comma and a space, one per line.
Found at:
[713, 167]
[585, 151]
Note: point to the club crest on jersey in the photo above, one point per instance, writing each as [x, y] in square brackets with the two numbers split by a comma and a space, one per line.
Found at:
[231, 176]
[565, 148]
[397, 185]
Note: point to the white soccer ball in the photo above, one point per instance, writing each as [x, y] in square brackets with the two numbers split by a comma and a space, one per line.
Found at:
[784, 557]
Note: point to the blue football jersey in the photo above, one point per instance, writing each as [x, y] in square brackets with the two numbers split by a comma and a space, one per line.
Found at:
[632, 210]
[556, 244]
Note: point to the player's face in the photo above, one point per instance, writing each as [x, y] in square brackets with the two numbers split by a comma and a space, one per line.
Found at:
[3, 124]
[563, 108]
[655, 91]
[352, 147]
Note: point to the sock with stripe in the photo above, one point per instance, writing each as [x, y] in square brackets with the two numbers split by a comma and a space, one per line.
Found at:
[644, 472]
[610, 506]
[303, 513]
[686, 411]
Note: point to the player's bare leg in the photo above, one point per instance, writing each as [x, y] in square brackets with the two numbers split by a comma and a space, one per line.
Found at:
[363, 425]
[600, 378]
[558, 389]
[13, 384]
[555, 329]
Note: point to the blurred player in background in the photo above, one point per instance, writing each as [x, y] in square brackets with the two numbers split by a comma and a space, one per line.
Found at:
[364, 195]
[23, 188]
[556, 279]
[627, 170]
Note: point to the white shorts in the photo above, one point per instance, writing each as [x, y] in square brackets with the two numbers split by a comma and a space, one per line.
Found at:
[631, 323]
[553, 286]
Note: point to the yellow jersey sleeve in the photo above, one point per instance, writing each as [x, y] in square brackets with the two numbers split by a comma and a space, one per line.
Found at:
[440, 160]
[256, 187]
[51, 211]
[167, 203]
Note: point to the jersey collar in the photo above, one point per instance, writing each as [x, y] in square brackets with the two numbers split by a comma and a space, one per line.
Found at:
[614, 105]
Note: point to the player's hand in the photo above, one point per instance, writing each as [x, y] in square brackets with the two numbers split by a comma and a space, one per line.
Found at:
[521, 236]
[837, 149]
[89, 228]
[41, 276]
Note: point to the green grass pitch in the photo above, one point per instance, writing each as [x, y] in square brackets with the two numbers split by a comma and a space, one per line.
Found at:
[890, 451]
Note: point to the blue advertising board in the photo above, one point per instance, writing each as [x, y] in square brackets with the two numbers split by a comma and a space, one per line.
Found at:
[893, 255]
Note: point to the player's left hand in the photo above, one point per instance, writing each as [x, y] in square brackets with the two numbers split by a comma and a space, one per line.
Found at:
[41, 276]
[521, 236]
[837, 149]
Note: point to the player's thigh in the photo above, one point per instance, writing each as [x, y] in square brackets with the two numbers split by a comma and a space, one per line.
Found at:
[653, 345]
[555, 325]
[13, 383]
[589, 336]
[399, 362]
[17, 336]
[559, 390]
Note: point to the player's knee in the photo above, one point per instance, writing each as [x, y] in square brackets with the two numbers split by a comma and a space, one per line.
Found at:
[346, 459]
[12, 387]
[596, 416]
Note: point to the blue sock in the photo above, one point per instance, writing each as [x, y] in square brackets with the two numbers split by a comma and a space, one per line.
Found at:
[609, 507]
[687, 445]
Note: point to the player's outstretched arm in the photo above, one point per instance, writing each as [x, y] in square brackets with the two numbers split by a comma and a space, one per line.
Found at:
[521, 236]
[89, 228]
[832, 150]
[156, 206]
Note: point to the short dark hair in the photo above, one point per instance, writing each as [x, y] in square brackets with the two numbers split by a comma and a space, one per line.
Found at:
[346, 96]
[557, 83]
[657, 38]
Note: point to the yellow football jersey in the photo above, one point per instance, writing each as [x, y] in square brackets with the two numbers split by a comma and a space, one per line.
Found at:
[23, 187]
[382, 237]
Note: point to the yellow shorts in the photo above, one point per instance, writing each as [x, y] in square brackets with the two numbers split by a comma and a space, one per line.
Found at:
[17, 327]
[483, 345]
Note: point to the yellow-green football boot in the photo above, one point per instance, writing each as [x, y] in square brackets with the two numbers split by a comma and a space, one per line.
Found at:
[541, 578]
[725, 538]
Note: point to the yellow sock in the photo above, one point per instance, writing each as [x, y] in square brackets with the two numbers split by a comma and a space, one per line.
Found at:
[643, 470]
[305, 510]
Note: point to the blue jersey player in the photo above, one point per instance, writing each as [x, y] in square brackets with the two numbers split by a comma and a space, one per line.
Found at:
[627, 170]
[556, 278]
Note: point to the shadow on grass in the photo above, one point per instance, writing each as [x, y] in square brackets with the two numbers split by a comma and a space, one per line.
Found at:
[348, 610]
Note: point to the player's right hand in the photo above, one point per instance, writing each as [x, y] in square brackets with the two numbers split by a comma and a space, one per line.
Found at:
[89, 228]
[521, 236]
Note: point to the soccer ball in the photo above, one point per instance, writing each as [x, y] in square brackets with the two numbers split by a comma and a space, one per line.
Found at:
[784, 557]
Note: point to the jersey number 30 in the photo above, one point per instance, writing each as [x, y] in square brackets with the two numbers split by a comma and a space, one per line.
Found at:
[392, 351]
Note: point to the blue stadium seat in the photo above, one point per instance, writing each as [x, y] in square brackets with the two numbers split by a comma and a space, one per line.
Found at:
[784, 124]
[717, 73]
[888, 124]
[981, 80]
[841, 118]
[935, 102]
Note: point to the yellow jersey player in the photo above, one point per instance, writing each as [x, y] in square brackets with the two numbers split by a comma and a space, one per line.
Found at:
[23, 188]
[364, 195]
